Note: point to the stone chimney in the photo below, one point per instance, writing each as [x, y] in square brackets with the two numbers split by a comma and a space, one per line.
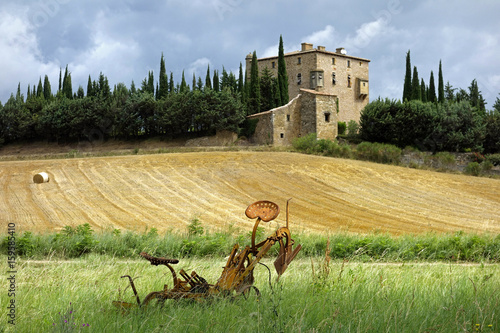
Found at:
[321, 48]
[306, 46]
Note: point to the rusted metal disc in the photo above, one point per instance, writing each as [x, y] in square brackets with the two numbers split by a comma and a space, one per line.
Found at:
[266, 210]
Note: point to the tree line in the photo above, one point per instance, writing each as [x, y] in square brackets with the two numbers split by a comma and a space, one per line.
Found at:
[448, 119]
[159, 107]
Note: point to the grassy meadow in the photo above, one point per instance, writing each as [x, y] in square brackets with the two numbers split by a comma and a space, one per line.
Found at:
[66, 282]
[314, 295]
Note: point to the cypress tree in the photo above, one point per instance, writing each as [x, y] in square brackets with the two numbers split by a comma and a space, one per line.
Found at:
[67, 88]
[183, 87]
[423, 91]
[216, 81]
[194, 82]
[47, 90]
[90, 91]
[171, 83]
[133, 89]
[199, 84]
[60, 84]
[415, 86]
[282, 75]
[254, 92]
[151, 83]
[431, 97]
[19, 97]
[208, 81]
[163, 85]
[440, 84]
[407, 88]
[240, 80]
[39, 90]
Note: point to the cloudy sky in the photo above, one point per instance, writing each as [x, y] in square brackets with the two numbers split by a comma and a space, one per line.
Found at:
[124, 39]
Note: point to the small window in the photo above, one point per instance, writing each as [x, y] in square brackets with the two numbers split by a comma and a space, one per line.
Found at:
[299, 60]
[327, 117]
[299, 78]
[273, 64]
[282, 135]
[348, 81]
[360, 63]
[334, 79]
[348, 63]
[333, 61]
[287, 117]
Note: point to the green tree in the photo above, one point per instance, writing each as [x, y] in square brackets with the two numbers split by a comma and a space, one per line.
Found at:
[184, 86]
[47, 90]
[475, 97]
[423, 91]
[449, 92]
[253, 102]
[103, 87]
[90, 91]
[208, 80]
[216, 81]
[431, 96]
[492, 135]
[163, 80]
[415, 86]
[407, 88]
[496, 106]
[282, 75]
[39, 90]
[171, 83]
[268, 87]
[60, 81]
[241, 79]
[67, 88]
[440, 84]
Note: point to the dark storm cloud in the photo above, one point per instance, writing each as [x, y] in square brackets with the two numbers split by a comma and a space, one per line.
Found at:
[125, 39]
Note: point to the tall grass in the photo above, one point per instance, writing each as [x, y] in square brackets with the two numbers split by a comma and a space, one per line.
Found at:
[350, 296]
[196, 242]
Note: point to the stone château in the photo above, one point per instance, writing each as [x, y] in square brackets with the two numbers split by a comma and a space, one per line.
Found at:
[324, 88]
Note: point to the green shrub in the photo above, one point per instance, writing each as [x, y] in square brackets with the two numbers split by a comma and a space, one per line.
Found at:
[342, 126]
[494, 159]
[195, 228]
[473, 169]
[25, 244]
[75, 241]
[305, 143]
[378, 152]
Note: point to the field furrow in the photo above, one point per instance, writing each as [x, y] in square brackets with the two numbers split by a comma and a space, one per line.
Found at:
[166, 191]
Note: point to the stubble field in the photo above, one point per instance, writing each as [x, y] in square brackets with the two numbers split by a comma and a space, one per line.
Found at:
[166, 191]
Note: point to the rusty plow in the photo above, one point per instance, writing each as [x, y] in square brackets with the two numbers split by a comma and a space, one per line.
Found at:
[237, 275]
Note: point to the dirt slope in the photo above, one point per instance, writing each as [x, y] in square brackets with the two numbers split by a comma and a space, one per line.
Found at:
[166, 191]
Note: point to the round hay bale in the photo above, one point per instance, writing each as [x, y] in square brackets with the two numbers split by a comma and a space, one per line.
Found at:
[41, 177]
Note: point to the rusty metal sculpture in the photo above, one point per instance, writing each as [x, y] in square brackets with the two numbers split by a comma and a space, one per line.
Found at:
[237, 275]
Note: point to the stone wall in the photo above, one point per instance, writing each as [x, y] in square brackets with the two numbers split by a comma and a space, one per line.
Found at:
[309, 112]
[278, 126]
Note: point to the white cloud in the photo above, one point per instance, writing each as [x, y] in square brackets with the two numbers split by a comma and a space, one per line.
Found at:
[199, 67]
[365, 35]
[271, 51]
[325, 37]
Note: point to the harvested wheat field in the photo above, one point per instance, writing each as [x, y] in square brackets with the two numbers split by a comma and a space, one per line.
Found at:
[166, 191]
